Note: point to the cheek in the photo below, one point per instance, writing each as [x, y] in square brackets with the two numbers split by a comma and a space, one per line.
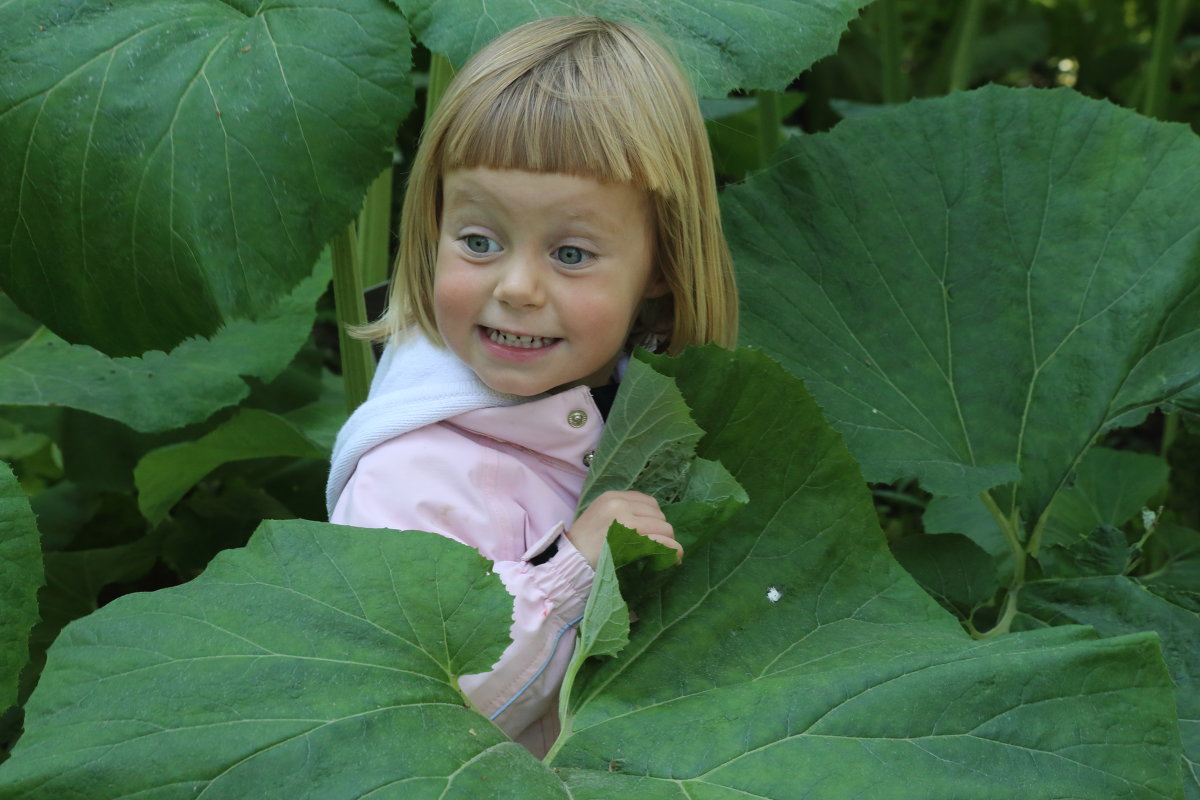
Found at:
[448, 298]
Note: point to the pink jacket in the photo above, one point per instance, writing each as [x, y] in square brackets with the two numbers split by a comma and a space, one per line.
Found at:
[504, 480]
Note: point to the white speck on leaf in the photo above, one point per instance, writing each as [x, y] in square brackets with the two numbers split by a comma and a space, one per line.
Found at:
[1148, 519]
[774, 594]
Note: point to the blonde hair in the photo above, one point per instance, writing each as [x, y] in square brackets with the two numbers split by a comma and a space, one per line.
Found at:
[587, 97]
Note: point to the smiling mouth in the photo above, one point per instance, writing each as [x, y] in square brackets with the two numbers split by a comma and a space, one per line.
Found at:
[520, 342]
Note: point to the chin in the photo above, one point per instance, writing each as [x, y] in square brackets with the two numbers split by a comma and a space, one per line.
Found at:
[520, 388]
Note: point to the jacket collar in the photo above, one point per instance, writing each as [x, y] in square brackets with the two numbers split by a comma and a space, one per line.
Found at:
[565, 426]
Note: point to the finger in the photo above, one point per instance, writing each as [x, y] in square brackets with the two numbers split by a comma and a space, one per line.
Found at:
[671, 542]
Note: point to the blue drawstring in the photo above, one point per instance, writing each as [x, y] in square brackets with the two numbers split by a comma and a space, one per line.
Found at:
[553, 650]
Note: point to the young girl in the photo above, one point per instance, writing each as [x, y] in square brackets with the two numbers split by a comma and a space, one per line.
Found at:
[561, 210]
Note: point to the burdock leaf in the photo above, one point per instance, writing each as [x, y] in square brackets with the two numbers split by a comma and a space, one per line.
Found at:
[319, 661]
[976, 287]
[171, 167]
[760, 45]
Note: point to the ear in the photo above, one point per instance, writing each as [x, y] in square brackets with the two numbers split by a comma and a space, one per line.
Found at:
[657, 286]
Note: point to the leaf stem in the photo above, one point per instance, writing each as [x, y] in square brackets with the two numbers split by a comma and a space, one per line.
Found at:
[1162, 53]
[892, 74]
[374, 230]
[1170, 431]
[358, 362]
[1010, 526]
[441, 71]
[964, 47]
[770, 125]
[1007, 615]
[1035, 539]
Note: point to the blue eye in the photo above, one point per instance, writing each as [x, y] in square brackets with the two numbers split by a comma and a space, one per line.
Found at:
[572, 256]
[478, 244]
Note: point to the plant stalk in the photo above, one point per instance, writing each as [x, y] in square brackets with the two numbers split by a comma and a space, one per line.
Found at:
[1162, 53]
[1170, 431]
[964, 47]
[358, 362]
[374, 230]
[441, 71]
[892, 81]
[1010, 527]
[770, 126]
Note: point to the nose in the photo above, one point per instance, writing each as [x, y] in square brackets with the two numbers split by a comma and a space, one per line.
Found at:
[519, 284]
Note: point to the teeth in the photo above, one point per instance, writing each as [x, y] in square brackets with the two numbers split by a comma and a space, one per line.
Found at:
[511, 340]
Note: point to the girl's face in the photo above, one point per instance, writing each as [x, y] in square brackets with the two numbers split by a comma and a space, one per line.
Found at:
[539, 275]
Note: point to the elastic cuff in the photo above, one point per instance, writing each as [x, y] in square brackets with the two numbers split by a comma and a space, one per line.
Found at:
[543, 544]
[573, 571]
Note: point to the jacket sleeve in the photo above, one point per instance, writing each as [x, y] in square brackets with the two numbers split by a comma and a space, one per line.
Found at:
[412, 483]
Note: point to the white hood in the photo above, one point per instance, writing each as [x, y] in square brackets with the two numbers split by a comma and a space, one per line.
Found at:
[416, 383]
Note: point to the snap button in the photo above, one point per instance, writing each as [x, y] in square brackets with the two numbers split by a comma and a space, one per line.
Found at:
[587, 458]
[577, 418]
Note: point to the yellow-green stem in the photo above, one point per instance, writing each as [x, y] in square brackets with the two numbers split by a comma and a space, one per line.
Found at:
[892, 77]
[1170, 431]
[358, 362]
[964, 47]
[770, 125]
[1162, 53]
[374, 231]
[441, 71]
[1010, 526]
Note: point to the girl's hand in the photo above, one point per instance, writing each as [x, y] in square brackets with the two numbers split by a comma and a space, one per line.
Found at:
[633, 510]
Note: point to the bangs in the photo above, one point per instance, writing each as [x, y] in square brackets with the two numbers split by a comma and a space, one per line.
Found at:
[591, 98]
[558, 117]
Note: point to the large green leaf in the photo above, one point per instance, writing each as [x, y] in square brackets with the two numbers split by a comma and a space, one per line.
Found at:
[168, 166]
[1110, 488]
[20, 577]
[160, 391]
[318, 662]
[649, 446]
[1117, 605]
[165, 475]
[975, 287]
[853, 684]
[724, 46]
[75, 580]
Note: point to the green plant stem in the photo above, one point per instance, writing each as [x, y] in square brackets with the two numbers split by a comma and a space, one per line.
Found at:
[1170, 431]
[374, 230]
[358, 362]
[1162, 53]
[441, 71]
[1007, 614]
[1010, 527]
[770, 126]
[964, 47]
[892, 77]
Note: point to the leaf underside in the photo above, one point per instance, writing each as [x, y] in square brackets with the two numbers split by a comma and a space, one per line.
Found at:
[159, 391]
[723, 46]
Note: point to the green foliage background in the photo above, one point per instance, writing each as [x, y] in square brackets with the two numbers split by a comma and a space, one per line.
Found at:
[992, 295]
